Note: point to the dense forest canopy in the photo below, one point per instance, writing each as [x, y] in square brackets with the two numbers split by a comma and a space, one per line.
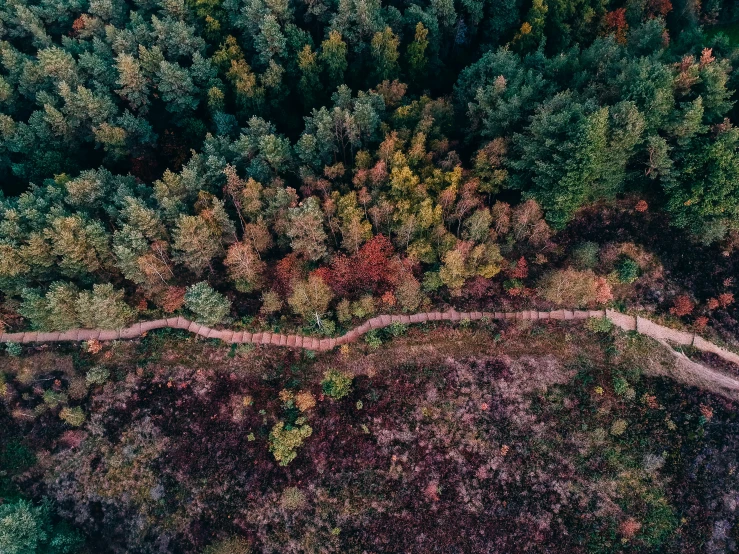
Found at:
[298, 166]
[151, 146]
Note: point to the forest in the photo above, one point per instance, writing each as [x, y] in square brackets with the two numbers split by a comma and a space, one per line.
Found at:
[299, 166]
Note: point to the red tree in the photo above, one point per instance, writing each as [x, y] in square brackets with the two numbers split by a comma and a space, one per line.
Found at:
[520, 270]
[615, 22]
[682, 306]
[371, 270]
[288, 269]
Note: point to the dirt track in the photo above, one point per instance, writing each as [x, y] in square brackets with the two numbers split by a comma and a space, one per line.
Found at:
[686, 370]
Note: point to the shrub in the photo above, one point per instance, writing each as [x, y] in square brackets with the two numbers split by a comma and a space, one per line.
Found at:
[285, 440]
[620, 386]
[344, 311]
[397, 329]
[328, 327]
[97, 375]
[682, 306]
[364, 307]
[291, 499]
[599, 325]
[373, 339]
[336, 384]
[585, 255]
[73, 416]
[627, 270]
[13, 349]
[304, 400]
[209, 306]
[619, 427]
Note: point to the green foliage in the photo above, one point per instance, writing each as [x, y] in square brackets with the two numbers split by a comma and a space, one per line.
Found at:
[627, 270]
[599, 325]
[103, 308]
[620, 386]
[585, 255]
[73, 416]
[397, 329]
[284, 440]
[336, 384]
[373, 339]
[210, 307]
[13, 349]
[27, 529]
[97, 375]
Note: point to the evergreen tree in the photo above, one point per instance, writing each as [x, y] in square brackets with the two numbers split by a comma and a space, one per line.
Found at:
[210, 307]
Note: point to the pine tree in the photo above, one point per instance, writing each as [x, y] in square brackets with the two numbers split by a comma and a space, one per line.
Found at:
[210, 307]
[196, 242]
[103, 308]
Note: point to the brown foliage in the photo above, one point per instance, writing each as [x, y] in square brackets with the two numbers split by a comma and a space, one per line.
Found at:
[372, 269]
[520, 270]
[615, 22]
[570, 287]
[629, 528]
[726, 299]
[172, 299]
[682, 306]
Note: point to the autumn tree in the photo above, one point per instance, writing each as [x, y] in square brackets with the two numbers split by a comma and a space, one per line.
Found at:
[305, 229]
[245, 268]
[310, 299]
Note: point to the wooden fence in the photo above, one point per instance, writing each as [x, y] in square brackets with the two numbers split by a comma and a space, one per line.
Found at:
[627, 322]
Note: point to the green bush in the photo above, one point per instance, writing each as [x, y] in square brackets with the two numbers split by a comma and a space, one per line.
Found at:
[599, 325]
[73, 416]
[585, 255]
[627, 270]
[336, 384]
[97, 375]
[620, 386]
[284, 440]
[13, 349]
[397, 329]
[373, 339]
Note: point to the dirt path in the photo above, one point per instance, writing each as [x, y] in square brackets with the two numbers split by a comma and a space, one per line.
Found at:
[686, 370]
